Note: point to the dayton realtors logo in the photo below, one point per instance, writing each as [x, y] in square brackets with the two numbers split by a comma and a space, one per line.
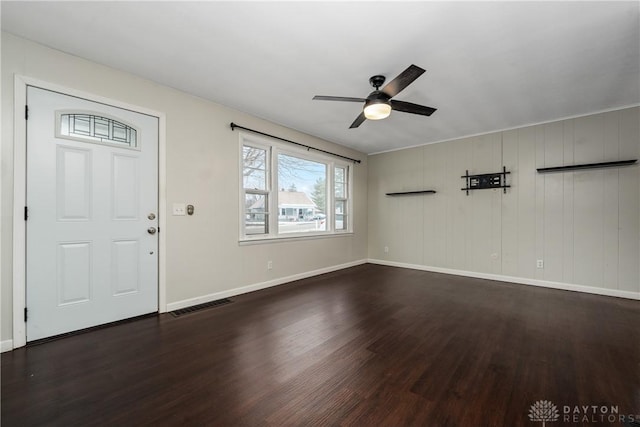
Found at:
[545, 411]
[596, 414]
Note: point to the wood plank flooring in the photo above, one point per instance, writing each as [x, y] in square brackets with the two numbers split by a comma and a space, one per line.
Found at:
[366, 346]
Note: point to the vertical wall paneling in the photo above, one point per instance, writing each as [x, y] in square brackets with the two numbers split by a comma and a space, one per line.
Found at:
[567, 206]
[526, 202]
[539, 198]
[404, 172]
[484, 238]
[376, 210]
[392, 225]
[629, 203]
[458, 209]
[610, 232]
[433, 247]
[588, 197]
[584, 225]
[411, 208]
[496, 209]
[553, 205]
[628, 245]
[479, 239]
[510, 228]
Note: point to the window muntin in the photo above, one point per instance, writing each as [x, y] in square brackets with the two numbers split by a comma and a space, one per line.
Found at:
[255, 183]
[97, 129]
[307, 193]
[256, 215]
[254, 170]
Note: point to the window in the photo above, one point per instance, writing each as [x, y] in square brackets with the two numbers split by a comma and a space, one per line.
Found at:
[255, 174]
[308, 193]
[95, 128]
[301, 195]
[341, 188]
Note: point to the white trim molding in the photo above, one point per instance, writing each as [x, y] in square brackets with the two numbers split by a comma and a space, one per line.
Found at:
[19, 202]
[20, 193]
[258, 286]
[512, 279]
[525, 125]
[6, 345]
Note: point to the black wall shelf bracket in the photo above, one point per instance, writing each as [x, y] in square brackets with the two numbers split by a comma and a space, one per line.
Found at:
[411, 193]
[617, 163]
[486, 181]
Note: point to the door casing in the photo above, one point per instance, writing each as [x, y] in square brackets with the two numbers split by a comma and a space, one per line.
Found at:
[19, 194]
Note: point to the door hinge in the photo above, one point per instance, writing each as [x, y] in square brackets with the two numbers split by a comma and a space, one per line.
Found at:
[26, 213]
[26, 112]
[25, 314]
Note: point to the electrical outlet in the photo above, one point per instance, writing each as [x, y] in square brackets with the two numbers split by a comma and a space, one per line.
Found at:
[269, 265]
[179, 209]
[539, 263]
[386, 249]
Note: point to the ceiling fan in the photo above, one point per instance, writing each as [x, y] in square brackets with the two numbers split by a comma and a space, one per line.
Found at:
[378, 104]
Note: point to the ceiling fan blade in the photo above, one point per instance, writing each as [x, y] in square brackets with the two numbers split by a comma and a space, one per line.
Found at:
[403, 80]
[408, 107]
[338, 98]
[358, 121]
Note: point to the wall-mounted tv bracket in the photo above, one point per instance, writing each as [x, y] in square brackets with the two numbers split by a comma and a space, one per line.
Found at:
[486, 181]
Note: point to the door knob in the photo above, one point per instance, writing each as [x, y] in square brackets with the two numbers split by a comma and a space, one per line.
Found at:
[151, 230]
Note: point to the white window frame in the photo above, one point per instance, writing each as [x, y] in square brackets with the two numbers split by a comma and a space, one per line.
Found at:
[346, 215]
[274, 148]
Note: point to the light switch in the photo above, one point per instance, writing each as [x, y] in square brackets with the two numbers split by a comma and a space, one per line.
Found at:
[179, 209]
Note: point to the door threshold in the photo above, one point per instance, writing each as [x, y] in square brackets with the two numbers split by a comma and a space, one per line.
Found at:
[90, 329]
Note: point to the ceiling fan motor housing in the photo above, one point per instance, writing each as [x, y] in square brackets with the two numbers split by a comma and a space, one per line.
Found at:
[379, 96]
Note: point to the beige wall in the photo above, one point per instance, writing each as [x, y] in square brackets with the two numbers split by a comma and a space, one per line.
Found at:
[584, 225]
[203, 254]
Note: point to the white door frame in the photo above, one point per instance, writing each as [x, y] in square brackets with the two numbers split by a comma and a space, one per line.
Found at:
[20, 194]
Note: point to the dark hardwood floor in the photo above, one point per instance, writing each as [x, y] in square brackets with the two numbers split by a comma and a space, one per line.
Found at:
[366, 346]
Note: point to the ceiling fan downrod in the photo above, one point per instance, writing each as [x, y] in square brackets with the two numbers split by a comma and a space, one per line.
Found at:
[377, 81]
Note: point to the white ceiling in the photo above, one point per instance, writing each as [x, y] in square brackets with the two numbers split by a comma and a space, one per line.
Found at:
[490, 65]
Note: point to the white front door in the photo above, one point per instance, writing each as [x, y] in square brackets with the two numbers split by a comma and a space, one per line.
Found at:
[92, 200]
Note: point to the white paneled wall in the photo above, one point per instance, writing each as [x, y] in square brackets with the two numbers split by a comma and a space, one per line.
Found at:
[584, 225]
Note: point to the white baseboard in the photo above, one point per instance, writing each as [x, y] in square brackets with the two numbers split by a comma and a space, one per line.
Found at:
[257, 286]
[6, 345]
[512, 279]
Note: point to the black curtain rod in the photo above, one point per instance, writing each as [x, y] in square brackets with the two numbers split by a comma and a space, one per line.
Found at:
[234, 126]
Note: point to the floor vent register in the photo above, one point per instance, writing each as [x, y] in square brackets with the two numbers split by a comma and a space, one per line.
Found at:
[200, 307]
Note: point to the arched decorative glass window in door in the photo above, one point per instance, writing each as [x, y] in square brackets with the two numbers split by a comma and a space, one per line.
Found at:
[96, 128]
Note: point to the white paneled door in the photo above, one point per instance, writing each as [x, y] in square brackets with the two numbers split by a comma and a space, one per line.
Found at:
[92, 200]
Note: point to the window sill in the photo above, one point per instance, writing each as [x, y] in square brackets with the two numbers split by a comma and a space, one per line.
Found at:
[262, 240]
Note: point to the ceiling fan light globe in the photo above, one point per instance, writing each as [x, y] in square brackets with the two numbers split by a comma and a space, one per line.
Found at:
[377, 110]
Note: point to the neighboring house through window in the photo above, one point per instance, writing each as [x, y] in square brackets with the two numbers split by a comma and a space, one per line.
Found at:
[291, 193]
